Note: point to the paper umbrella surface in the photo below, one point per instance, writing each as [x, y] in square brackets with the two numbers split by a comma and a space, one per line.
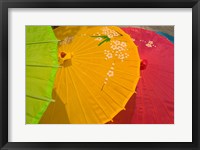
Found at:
[154, 101]
[41, 67]
[100, 69]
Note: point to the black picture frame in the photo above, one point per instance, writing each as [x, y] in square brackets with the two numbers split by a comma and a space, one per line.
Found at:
[6, 4]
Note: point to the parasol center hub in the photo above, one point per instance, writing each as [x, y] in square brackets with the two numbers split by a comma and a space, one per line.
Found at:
[64, 58]
[143, 64]
[62, 54]
[65, 55]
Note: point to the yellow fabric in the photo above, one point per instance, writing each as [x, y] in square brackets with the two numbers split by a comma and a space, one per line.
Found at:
[55, 113]
[67, 31]
[99, 73]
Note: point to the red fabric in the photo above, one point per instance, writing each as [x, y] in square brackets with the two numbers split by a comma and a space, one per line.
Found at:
[154, 102]
[125, 116]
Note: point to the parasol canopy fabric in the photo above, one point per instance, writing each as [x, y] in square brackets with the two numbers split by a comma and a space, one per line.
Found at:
[155, 90]
[63, 32]
[99, 73]
[41, 67]
[125, 116]
[169, 37]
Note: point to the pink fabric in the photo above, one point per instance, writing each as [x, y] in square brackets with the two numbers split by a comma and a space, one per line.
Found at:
[154, 102]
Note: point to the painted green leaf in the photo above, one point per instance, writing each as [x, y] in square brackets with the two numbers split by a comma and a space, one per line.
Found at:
[104, 37]
[41, 67]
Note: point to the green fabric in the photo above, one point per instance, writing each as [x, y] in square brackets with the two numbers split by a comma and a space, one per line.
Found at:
[41, 67]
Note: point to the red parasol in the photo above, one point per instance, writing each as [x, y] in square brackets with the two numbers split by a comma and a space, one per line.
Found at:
[154, 102]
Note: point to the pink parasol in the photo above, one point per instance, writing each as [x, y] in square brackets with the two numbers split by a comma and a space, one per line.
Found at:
[154, 102]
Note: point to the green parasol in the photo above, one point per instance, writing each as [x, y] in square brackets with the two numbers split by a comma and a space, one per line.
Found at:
[41, 67]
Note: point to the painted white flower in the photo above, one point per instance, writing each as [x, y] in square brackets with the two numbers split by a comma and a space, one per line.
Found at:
[121, 56]
[110, 35]
[120, 48]
[114, 47]
[109, 55]
[116, 42]
[123, 44]
[126, 55]
[109, 32]
[148, 45]
[150, 42]
[115, 34]
[110, 73]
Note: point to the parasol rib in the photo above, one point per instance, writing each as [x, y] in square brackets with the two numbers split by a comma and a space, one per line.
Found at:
[41, 42]
[41, 98]
[38, 65]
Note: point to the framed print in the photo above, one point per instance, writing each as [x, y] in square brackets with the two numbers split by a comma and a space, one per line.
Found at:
[104, 74]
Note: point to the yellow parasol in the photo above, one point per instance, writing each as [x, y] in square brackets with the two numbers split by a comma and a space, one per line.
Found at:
[99, 73]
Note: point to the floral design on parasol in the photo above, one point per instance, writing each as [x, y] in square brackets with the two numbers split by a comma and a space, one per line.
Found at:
[99, 73]
[155, 90]
[41, 67]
